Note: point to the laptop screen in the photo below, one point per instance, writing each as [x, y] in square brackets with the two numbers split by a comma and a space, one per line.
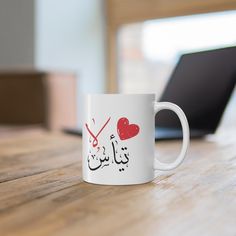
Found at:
[201, 85]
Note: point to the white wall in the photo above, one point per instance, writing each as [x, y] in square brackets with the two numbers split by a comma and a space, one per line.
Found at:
[70, 36]
[55, 35]
[16, 34]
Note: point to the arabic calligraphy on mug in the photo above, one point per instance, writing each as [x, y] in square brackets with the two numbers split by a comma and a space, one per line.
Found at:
[118, 152]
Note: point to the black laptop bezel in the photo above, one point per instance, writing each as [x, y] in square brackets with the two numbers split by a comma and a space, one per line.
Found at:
[224, 101]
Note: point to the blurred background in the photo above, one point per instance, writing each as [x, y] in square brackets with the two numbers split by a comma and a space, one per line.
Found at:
[53, 52]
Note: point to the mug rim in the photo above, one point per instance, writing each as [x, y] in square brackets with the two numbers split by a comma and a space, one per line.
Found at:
[120, 94]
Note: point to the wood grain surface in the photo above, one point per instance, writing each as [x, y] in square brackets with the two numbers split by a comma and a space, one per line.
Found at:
[42, 191]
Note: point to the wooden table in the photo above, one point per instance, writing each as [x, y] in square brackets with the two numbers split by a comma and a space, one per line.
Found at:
[42, 192]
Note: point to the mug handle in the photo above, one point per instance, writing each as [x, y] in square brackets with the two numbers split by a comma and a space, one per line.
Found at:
[185, 127]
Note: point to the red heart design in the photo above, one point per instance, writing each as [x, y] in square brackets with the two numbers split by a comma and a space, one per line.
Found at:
[126, 130]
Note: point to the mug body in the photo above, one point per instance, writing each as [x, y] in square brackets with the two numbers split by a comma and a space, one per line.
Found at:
[118, 138]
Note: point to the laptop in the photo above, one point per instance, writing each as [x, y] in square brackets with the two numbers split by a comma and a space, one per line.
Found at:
[201, 84]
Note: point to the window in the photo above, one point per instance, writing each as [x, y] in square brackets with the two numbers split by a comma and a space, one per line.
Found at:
[149, 51]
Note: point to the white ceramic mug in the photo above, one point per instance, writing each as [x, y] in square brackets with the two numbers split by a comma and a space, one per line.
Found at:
[118, 138]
